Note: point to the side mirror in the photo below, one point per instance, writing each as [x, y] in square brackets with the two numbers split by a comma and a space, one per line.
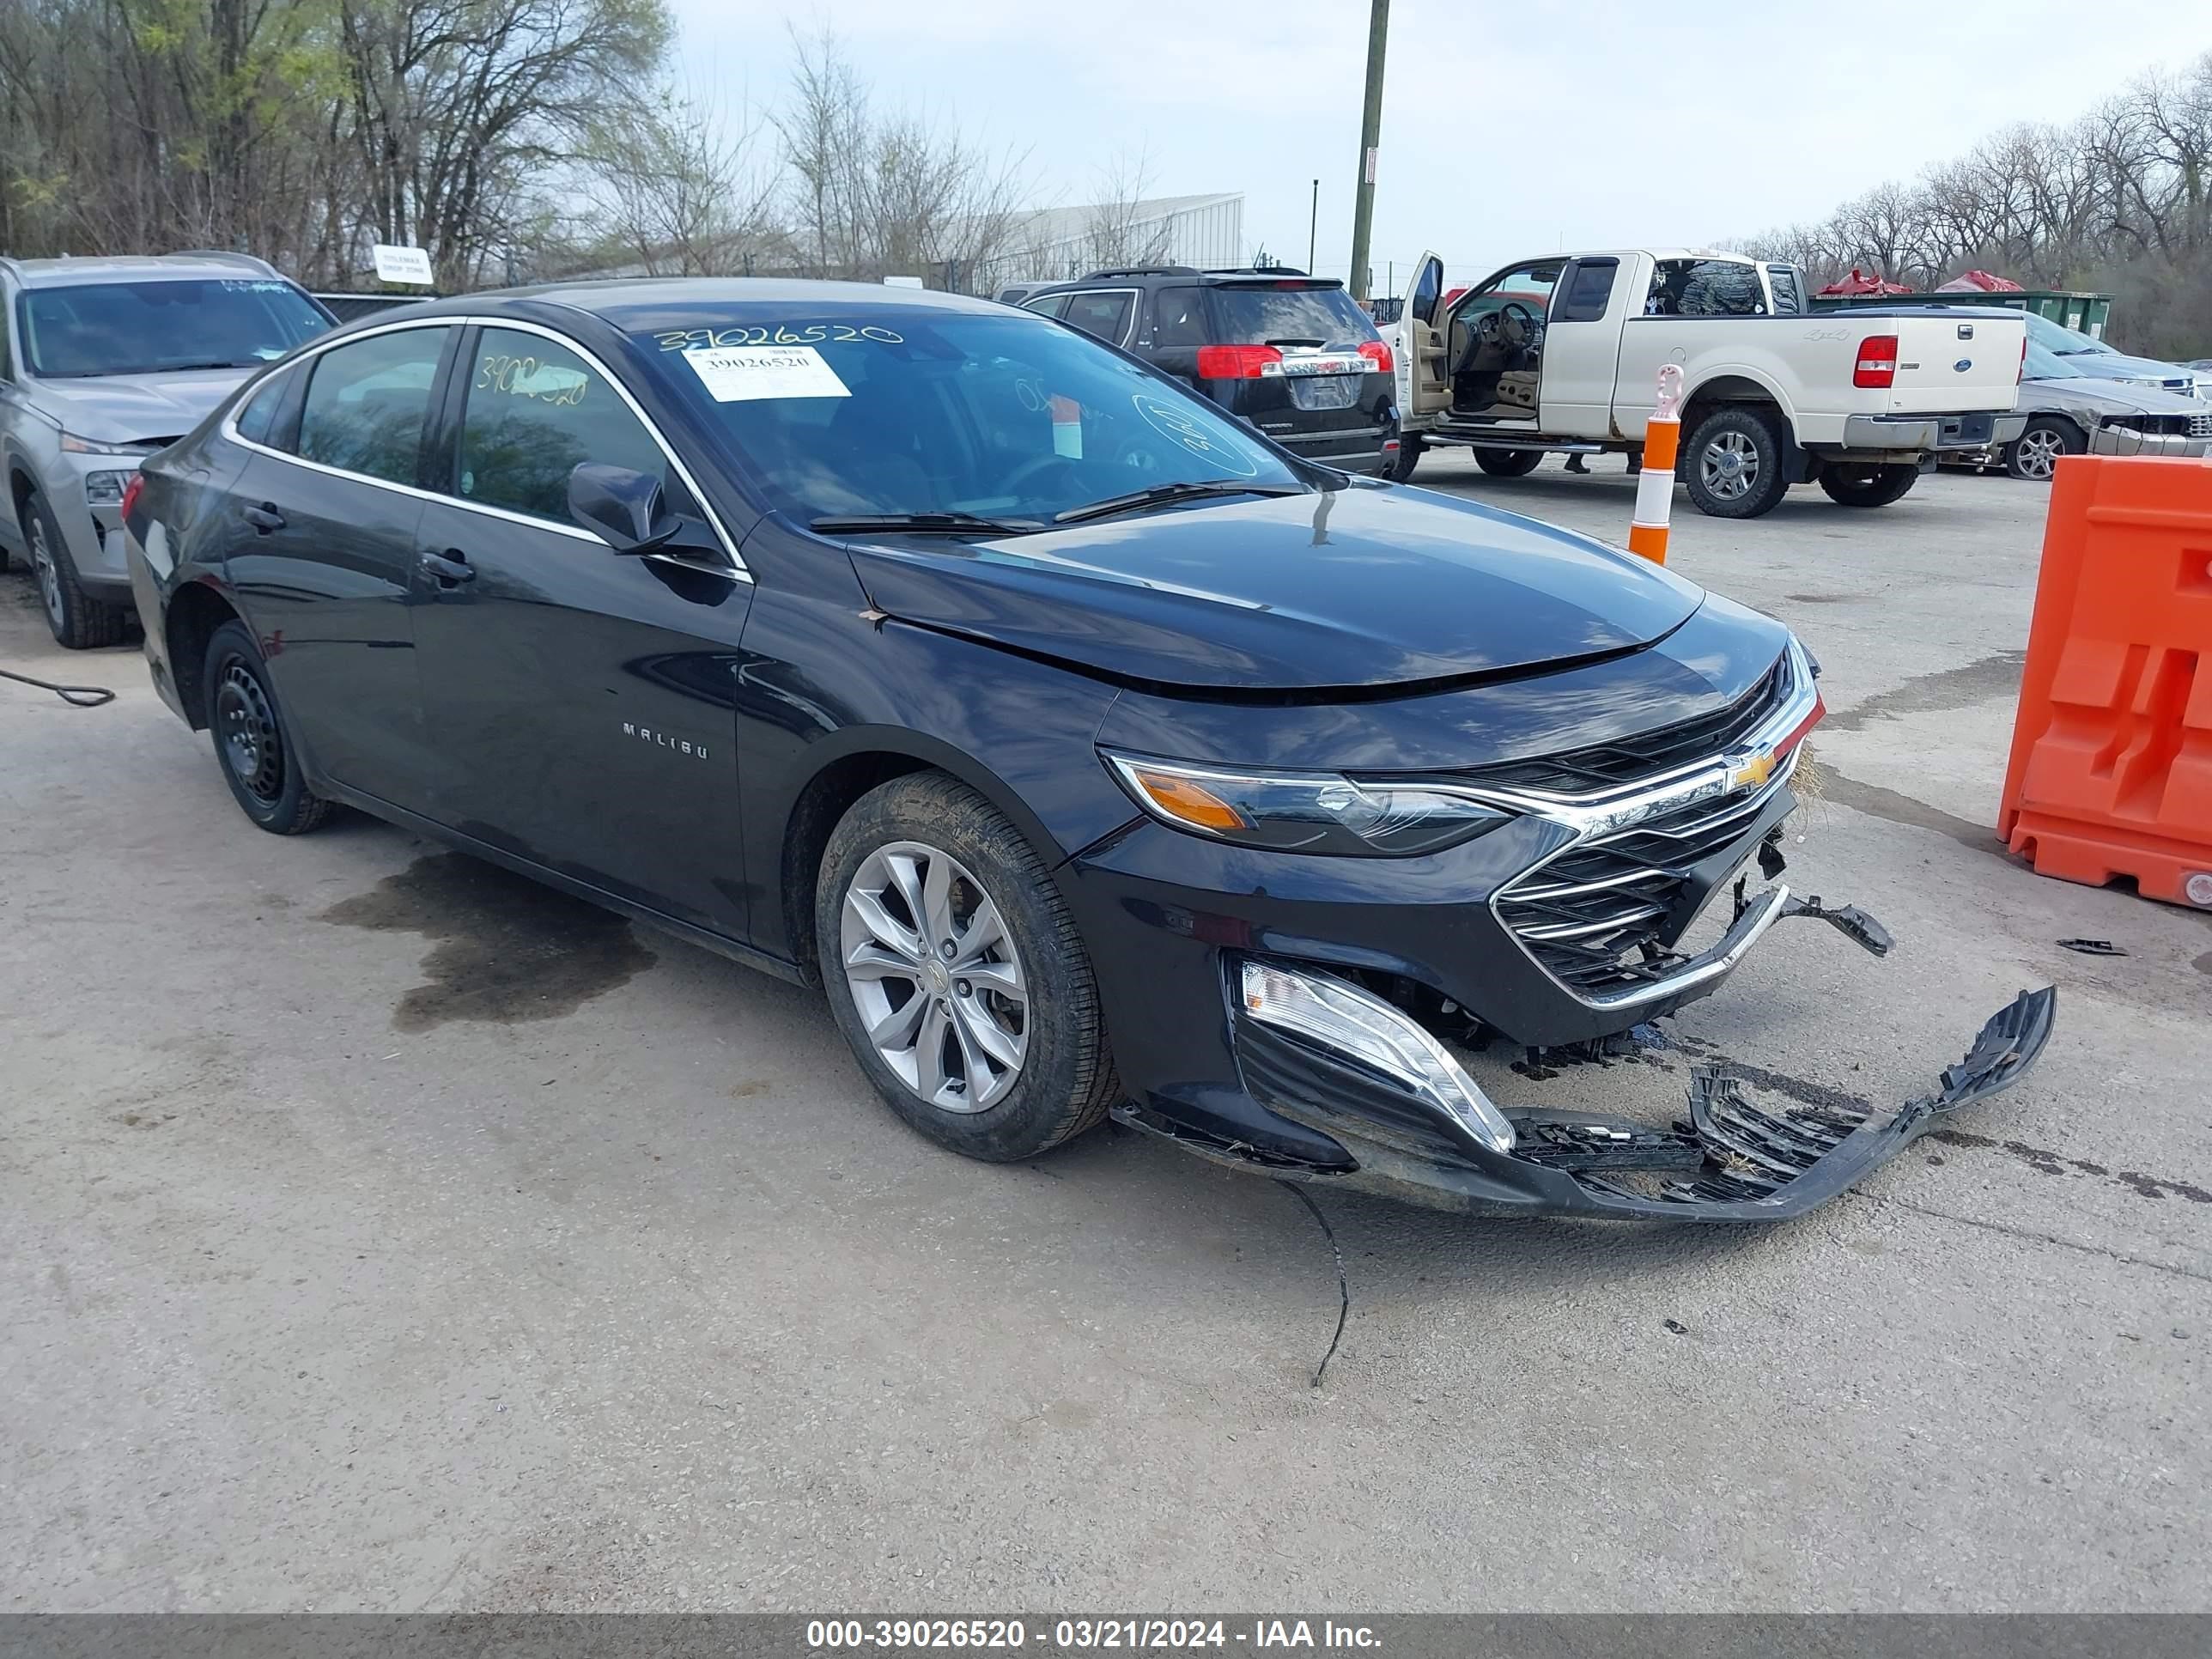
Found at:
[626, 509]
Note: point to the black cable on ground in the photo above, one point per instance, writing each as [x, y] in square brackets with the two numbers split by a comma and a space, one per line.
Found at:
[77, 696]
[1343, 1285]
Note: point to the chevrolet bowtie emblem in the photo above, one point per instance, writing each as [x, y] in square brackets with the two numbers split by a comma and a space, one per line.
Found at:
[1749, 771]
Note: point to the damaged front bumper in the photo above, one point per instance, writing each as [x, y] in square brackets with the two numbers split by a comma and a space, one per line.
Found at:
[1410, 1124]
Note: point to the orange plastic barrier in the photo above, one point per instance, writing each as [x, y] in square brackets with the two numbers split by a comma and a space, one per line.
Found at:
[2111, 772]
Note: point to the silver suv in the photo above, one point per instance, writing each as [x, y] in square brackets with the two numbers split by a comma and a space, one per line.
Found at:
[103, 361]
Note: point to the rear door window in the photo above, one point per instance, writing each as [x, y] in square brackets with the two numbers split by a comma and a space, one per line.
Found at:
[1290, 314]
[368, 402]
[1588, 291]
[1105, 314]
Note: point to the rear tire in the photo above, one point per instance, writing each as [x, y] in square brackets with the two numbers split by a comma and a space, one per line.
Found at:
[78, 621]
[1850, 485]
[2033, 455]
[1508, 463]
[1410, 449]
[258, 758]
[973, 1011]
[1732, 462]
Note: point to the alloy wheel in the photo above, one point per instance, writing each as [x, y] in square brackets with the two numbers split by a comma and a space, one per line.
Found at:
[1728, 466]
[42, 564]
[936, 979]
[246, 725]
[2037, 453]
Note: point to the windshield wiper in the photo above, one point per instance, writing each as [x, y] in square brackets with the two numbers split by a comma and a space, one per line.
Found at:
[1160, 495]
[952, 523]
[212, 363]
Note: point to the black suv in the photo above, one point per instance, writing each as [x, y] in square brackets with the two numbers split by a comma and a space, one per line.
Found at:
[1293, 355]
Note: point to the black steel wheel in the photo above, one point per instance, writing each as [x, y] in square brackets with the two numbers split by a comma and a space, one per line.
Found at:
[258, 759]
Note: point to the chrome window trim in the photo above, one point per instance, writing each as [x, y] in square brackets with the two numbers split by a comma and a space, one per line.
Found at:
[736, 569]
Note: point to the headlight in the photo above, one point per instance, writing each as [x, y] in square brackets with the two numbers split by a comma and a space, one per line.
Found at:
[73, 445]
[104, 488]
[1303, 813]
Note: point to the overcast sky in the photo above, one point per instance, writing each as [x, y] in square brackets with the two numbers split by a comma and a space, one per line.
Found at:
[1510, 127]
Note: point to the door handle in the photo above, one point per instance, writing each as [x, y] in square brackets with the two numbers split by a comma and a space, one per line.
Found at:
[264, 518]
[450, 567]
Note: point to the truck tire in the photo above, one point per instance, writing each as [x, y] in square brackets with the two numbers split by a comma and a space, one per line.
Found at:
[1862, 485]
[1733, 462]
[78, 621]
[1508, 463]
[2034, 455]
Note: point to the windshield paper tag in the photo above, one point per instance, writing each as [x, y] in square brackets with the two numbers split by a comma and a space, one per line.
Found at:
[738, 373]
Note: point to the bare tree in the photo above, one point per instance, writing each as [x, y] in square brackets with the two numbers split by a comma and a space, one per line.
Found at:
[677, 192]
[1118, 231]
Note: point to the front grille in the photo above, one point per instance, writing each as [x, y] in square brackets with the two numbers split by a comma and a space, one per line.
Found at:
[1608, 766]
[1597, 914]
[2200, 426]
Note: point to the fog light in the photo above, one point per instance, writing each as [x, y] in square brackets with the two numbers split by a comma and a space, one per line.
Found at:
[1340, 1017]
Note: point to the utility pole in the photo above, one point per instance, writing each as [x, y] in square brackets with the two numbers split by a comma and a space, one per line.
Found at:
[1313, 225]
[1371, 137]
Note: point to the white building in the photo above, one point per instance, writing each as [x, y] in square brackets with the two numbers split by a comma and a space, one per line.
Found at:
[1057, 243]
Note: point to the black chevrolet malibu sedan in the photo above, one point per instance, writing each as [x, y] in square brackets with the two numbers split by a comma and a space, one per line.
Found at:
[1092, 753]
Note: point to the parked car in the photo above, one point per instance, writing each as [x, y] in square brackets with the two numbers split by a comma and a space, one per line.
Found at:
[1012, 294]
[2065, 410]
[1293, 355]
[1092, 752]
[2089, 358]
[1561, 354]
[102, 361]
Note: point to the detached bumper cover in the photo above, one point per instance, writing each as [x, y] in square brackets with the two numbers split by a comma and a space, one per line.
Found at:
[1727, 1161]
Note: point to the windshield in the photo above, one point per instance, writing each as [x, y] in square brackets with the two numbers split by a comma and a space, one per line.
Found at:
[2064, 342]
[904, 410]
[147, 328]
[1290, 314]
[2044, 364]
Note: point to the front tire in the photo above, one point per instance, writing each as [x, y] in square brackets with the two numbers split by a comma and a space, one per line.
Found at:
[955, 971]
[2033, 455]
[260, 761]
[78, 621]
[1867, 486]
[1732, 462]
[1508, 463]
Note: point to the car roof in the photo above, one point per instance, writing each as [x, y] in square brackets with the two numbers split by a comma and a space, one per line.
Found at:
[644, 305]
[71, 272]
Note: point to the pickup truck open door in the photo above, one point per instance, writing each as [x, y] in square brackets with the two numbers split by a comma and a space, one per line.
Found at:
[1425, 370]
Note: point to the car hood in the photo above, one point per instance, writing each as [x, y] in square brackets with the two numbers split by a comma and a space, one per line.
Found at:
[125, 409]
[1360, 588]
[2105, 397]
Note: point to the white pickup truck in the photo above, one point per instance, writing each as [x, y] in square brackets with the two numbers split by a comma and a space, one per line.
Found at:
[1561, 354]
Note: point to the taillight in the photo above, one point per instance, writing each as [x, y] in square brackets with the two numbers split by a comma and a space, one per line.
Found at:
[2022, 375]
[1877, 364]
[1238, 362]
[1378, 355]
[130, 494]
